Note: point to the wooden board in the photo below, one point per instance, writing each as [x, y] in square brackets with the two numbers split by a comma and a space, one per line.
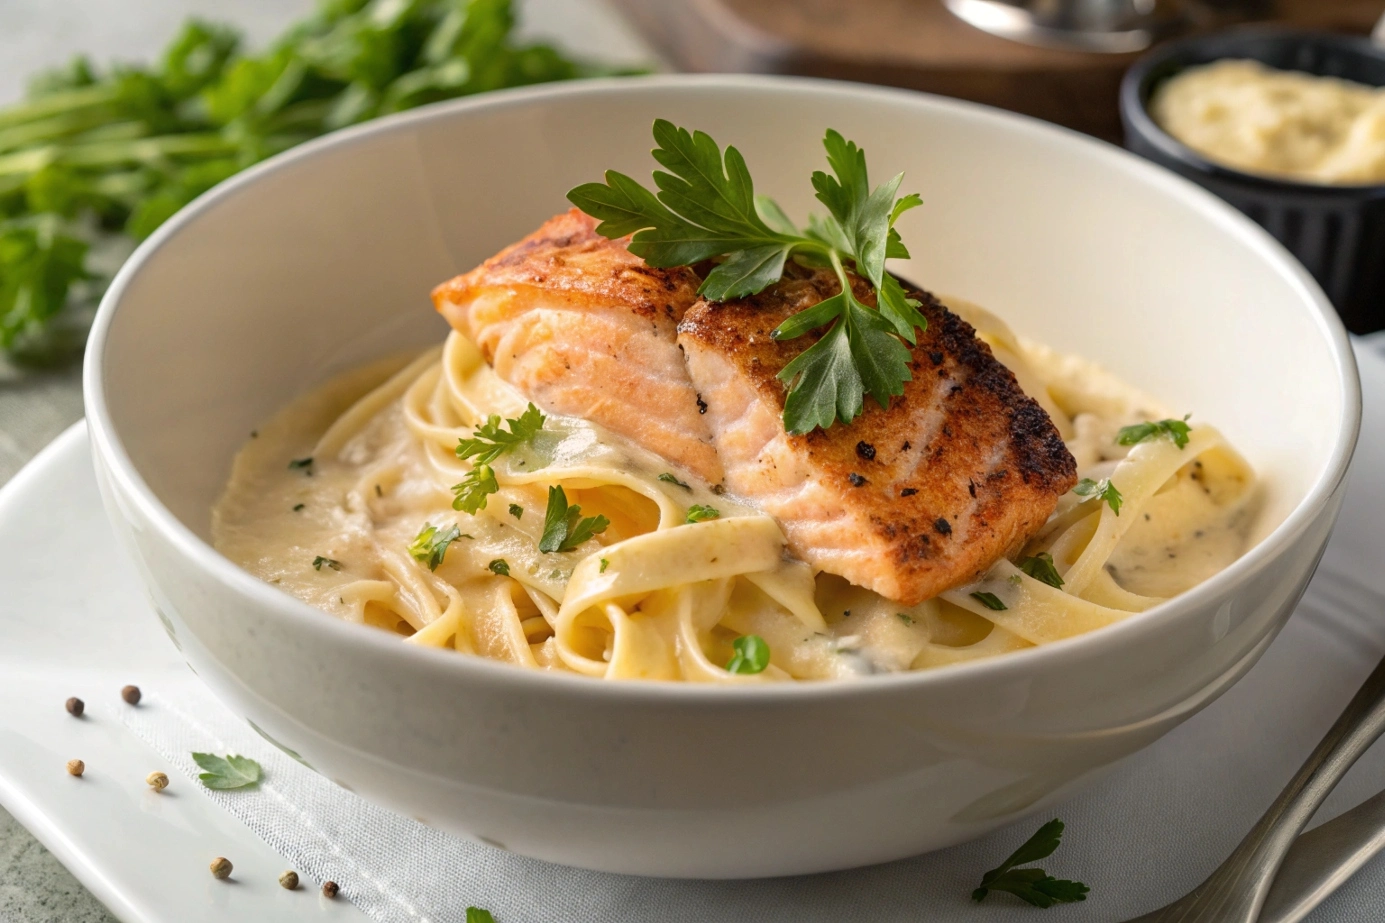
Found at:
[920, 45]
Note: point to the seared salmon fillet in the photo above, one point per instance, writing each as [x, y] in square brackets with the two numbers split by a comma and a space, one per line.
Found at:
[906, 501]
[584, 327]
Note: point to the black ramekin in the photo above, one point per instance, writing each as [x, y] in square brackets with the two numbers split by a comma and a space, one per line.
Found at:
[1337, 232]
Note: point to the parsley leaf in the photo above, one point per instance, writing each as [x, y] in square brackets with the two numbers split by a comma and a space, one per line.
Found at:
[990, 601]
[430, 545]
[564, 526]
[604, 564]
[1041, 568]
[499, 567]
[302, 464]
[1177, 430]
[670, 479]
[470, 494]
[752, 655]
[477, 915]
[706, 208]
[1103, 489]
[319, 561]
[516, 511]
[226, 773]
[700, 513]
[490, 441]
[1034, 886]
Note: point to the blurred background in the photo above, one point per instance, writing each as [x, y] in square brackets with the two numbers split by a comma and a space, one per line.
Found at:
[115, 113]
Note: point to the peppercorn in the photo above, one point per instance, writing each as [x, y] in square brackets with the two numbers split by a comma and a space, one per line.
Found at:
[329, 889]
[157, 781]
[221, 868]
[75, 707]
[130, 694]
[289, 880]
[76, 767]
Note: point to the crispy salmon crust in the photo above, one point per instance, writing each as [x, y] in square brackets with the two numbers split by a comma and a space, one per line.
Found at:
[909, 500]
[584, 327]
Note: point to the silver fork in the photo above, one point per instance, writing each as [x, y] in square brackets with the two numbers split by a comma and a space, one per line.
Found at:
[1236, 892]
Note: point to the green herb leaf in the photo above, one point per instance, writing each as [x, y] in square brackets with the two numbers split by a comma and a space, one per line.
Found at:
[604, 564]
[94, 158]
[700, 513]
[490, 441]
[516, 511]
[564, 526]
[989, 600]
[905, 617]
[670, 479]
[430, 545]
[227, 773]
[706, 208]
[499, 567]
[477, 915]
[1042, 568]
[319, 561]
[752, 655]
[1103, 489]
[1033, 885]
[470, 494]
[302, 464]
[1177, 430]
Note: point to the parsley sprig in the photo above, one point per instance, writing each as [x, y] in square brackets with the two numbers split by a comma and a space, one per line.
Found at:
[700, 512]
[1102, 489]
[489, 442]
[706, 208]
[1034, 886]
[564, 526]
[751, 655]
[1177, 430]
[430, 545]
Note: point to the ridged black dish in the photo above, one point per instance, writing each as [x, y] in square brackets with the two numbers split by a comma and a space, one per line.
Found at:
[1337, 232]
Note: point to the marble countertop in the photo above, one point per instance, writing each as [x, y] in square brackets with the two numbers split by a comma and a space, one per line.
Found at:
[35, 406]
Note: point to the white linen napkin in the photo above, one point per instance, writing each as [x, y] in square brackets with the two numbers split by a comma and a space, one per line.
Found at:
[1145, 835]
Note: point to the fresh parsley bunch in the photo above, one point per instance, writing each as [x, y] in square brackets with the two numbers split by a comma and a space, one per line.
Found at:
[706, 208]
[93, 159]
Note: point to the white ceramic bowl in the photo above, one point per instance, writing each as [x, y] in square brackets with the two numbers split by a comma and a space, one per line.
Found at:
[323, 258]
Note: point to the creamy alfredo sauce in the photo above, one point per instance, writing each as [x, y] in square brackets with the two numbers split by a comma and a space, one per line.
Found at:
[335, 531]
[1278, 123]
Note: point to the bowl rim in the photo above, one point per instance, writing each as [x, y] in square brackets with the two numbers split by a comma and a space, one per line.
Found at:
[200, 554]
[1136, 92]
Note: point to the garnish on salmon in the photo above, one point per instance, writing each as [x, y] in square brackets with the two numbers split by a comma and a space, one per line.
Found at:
[908, 500]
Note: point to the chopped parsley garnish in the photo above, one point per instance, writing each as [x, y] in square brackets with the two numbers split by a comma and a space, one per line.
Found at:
[700, 513]
[430, 545]
[499, 567]
[670, 479]
[319, 561]
[706, 208]
[990, 601]
[1103, 489]
[477, 915]
[604, 564]
[1177, 430]
[226, 773]
[752, 655]
[516, 511]
[1034, 886]
[489, 442]
[302, 464]
[1042, 569]
[470, 494]
[905, 617]
[564, 526]
[298, 507]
